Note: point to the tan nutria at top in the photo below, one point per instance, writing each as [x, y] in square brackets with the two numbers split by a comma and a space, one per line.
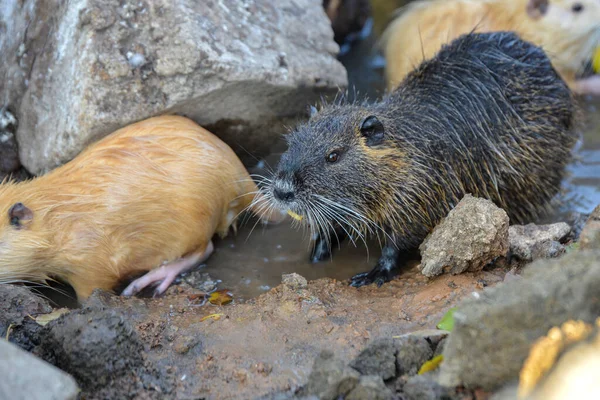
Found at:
[568, 30]
[150, 193]
[488, 115]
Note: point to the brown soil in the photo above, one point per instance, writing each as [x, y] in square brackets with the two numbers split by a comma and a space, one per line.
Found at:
[269, 344]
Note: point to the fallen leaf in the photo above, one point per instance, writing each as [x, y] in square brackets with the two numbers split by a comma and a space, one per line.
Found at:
[220, 297]
[215, 317]
[45, 318]
[292, 214]
[431, 364]
[596, 61]
[447, 321]
[8, 331]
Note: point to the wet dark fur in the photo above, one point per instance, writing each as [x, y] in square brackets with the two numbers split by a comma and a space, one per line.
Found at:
[488, 115]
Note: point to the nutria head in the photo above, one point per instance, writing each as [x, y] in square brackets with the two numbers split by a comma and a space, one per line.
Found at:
[23, 245]
[339, 166]
[570, 29]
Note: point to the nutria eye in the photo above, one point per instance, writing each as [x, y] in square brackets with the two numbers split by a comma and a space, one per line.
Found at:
[577, 7]
[332, 157]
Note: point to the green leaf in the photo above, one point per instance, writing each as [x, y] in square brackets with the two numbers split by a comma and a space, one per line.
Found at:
[572, 247]
[447, 321]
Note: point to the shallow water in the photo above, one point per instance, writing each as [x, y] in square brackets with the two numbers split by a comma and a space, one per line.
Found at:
[251, 263]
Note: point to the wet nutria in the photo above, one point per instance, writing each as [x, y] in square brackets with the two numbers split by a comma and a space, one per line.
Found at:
[488, 115]
[151, 193]
[568, 30]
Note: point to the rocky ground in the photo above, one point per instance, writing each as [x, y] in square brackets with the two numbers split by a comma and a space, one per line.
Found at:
[323, 338]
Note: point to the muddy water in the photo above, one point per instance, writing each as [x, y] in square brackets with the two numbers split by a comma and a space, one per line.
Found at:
[254, 260]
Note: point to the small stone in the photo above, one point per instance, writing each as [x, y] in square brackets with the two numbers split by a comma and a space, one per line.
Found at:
[379, 359]
[263, 368]
[241, 375]
[294, 281]
[473, 234]
[530, 242]
[370, 387]
[200, 280]
[330, 378]
[421, 387]
[590, 235]
[184, 344]
[26, 377]
[412, 352]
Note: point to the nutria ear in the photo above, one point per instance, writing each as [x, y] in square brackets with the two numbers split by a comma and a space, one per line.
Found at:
[537, 8]
[18, 214]
[372, 129]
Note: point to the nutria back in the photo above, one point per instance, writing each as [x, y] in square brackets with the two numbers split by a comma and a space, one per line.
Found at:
[496, 121]
[488, 115]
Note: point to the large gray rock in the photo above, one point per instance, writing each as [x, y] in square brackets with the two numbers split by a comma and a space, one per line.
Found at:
[26, 377]
[493, 332]
[474, 233]
[530, 242]
[76, 70]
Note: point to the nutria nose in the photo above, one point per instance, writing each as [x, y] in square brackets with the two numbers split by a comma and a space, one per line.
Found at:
[283, 195]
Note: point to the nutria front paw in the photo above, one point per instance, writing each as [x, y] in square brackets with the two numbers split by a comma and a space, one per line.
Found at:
[376, 275]
[382, 272]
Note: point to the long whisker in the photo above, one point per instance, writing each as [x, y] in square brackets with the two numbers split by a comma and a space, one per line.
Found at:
[368, 224]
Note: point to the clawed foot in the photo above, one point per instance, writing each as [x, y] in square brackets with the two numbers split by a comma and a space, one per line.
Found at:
[320, 252]
[382, 272]
[376, 275]
[164, 275]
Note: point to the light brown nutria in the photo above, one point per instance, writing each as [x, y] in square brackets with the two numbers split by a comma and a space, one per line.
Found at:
[488, 115]
[568, 30]
[152, 192]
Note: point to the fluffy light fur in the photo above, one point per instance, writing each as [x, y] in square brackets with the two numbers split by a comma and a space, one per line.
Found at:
[150, 192]
[421, 28]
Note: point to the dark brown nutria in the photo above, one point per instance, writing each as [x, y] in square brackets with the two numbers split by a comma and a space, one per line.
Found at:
[348, 17]
[487, 115]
